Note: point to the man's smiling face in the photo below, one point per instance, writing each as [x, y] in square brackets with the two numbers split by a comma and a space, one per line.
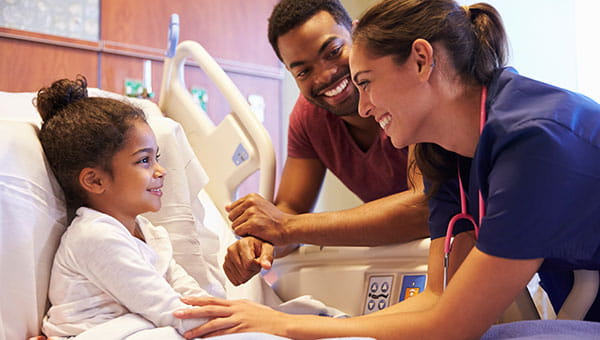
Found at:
[316, 53]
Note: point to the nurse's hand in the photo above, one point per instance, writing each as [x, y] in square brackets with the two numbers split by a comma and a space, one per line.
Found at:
[245, 258]
[253, 215]
[230, 316]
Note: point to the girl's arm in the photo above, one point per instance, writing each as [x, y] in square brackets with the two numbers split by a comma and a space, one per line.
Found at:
[182, 282]
[113, 263]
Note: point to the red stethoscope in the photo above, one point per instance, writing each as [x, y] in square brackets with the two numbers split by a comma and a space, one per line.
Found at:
[464, 215]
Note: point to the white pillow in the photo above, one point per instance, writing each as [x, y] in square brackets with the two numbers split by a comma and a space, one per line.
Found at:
[32, 219]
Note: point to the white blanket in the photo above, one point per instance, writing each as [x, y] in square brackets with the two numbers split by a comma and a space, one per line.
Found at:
[133, 327]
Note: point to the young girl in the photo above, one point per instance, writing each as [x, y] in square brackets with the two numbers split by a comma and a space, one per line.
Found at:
[112, 264]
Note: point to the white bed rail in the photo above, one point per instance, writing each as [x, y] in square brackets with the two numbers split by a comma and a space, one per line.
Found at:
[229, 152]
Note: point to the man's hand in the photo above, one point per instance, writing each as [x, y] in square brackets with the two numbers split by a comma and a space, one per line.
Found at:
[253, 215]
[245, 258]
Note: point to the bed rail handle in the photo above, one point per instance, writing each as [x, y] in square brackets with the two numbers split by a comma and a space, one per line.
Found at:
[175, 95]
[241, 109]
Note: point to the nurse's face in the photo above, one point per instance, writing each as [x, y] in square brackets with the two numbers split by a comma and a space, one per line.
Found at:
[393, 94]
[316, 54]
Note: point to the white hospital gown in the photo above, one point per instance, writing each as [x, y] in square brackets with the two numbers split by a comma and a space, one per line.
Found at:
[102, 272]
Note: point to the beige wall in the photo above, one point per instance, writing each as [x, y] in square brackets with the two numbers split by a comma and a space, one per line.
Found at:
[356, 7]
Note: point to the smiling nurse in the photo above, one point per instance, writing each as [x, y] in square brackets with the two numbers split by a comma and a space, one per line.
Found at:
[430, 72]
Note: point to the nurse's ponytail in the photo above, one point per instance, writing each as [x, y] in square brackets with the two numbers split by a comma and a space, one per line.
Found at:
[490, 47]
[473, 35]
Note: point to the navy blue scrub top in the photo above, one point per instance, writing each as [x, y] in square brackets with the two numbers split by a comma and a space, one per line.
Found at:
[538, 167]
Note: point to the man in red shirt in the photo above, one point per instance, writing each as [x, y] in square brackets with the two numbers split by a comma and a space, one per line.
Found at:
[312, 38]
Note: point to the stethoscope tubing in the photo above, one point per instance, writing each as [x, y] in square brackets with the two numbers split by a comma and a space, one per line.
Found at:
[463, 200]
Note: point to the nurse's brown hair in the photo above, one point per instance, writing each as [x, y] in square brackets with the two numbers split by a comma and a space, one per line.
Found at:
[474, 37]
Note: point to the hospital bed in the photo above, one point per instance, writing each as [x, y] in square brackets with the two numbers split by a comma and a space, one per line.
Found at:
[202, 179]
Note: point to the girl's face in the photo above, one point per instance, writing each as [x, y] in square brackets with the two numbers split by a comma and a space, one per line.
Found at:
[137, 178]
[394, 95]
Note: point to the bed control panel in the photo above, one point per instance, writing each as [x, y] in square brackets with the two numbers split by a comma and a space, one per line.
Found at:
[411, 286]
[384, 289]
[379, 293]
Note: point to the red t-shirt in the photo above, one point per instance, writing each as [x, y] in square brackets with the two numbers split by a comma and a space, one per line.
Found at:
[316, 133]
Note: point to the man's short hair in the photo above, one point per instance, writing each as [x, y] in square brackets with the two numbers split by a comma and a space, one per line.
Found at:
[289, 14]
